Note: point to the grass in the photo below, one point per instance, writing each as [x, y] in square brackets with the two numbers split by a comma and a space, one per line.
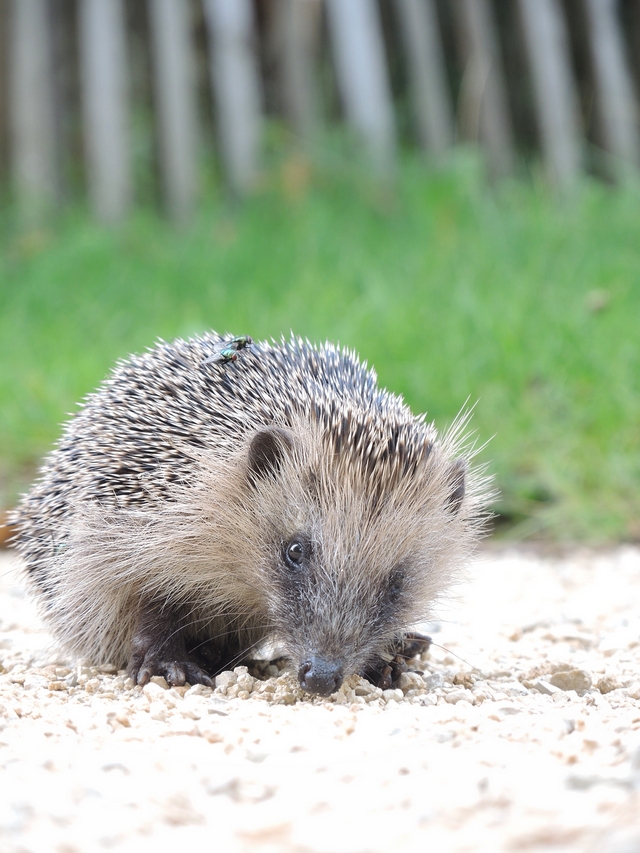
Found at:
[526, 304]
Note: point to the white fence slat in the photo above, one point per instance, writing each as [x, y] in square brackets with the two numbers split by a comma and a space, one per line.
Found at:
[236, 83]
[175, 103]
[616, 100]
[556, 99]
[31, 112]
[484, 112]
[297, 32]
[356, 39]
[427, 75]
[105, 107]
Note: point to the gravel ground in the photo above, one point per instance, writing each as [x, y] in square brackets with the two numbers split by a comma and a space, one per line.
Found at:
[531, 743]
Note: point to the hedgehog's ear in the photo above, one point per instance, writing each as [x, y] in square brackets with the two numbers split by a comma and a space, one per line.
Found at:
[266, 452]
[456, 476]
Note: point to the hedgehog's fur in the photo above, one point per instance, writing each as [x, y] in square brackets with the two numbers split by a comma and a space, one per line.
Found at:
[159, 525]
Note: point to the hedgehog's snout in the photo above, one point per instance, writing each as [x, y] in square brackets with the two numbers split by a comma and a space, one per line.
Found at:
[321, 676]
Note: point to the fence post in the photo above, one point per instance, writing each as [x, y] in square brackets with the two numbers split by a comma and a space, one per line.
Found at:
[105, 107]
[556, 100]
[31, 113]
[427, 75]
[356, 38]
[236, 83]
[296, 31]
[175, 102]
[484, 112]
[4, 99]
[615, 96]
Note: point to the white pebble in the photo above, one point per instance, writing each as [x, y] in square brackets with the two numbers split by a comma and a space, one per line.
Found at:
[198, 690]
[514, 688]
[544, 687]
[572, 679]
[434, 681]
[226, 679]
[158, 711]
[410, 681]
[155, 693]
[245, 682]
[454, 696]
[393, 695]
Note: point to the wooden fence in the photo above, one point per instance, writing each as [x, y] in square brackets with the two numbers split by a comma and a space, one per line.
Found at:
[93, 92]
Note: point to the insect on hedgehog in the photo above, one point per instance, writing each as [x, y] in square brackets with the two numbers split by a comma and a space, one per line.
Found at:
[215, 492]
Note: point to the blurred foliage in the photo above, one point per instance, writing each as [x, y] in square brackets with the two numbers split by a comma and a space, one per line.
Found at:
[511, 298]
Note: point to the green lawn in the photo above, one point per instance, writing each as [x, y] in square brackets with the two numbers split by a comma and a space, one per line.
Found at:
[527, 305]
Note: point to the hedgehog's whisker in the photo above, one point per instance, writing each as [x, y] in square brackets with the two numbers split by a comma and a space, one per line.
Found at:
[449, 652]
[240, 656]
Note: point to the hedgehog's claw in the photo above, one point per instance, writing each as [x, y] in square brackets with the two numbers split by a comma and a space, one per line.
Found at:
[412, 644]
[386, 673]
[175, 673]
[158, 648]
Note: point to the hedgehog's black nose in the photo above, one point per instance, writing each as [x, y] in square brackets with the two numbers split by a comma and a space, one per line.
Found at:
[320, 676]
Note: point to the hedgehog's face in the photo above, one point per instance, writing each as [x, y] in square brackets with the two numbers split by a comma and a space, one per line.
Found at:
[346, 576]
[339, 613]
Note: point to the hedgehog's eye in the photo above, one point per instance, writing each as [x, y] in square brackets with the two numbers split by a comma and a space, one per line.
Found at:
[394, 590]
[294, 554]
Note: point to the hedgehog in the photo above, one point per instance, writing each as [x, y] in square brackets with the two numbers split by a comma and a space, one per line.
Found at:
[214, 494]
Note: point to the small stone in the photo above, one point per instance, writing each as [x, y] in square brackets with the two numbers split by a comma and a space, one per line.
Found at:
[57, 685]
[160, 681]
[158, 711]
[464, 679]
[634, 690]
[123, 718]
[245, 682]
[92, 685]
[226, 679]
[435, 681]
[608, 683]
[155, 693]
[410, 681]
[395, 695]
[191, 712]
[216, 705]
[514, 688]
[454, 696]
[572, 679]
[544, 687]
[198, 690]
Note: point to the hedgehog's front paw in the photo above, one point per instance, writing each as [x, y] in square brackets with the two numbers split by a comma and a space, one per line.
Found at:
[383, 673]
[412, 644]
[143, 666]
[158, 648]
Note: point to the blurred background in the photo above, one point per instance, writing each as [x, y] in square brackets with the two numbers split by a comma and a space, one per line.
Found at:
[448, 186]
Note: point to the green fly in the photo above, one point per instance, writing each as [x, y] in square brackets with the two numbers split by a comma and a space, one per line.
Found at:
[228, 350]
